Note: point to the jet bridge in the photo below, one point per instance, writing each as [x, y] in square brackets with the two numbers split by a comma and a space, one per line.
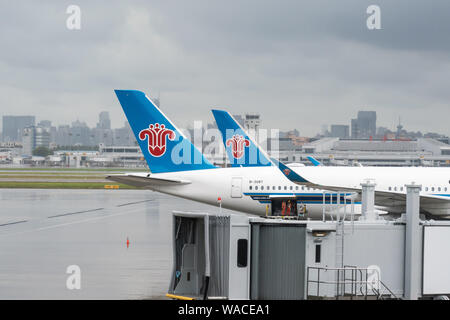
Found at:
[236, 256]
[210, 256]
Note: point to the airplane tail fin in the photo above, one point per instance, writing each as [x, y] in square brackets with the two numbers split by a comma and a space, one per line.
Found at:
[314, 161]
[164, 147]
[242, 151]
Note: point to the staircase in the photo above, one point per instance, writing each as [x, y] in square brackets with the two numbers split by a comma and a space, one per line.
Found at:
[351, 284]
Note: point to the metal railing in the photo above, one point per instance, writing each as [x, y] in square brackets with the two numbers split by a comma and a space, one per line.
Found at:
[347, 282]
[384, 288]
[334, 206]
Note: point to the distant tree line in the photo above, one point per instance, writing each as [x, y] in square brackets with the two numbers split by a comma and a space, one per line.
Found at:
[42, 152]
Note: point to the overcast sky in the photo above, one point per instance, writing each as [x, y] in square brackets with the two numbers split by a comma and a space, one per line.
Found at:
[300, 64]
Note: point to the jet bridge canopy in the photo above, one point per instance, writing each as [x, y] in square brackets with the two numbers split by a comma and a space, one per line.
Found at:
[200, 245]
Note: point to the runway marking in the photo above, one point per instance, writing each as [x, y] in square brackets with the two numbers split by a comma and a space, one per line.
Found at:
[10, 223]
[130, 203]
[71, 223]
[71, 213]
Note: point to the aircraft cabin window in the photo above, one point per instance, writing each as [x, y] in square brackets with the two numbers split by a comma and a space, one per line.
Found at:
[285, 187]
[262, 187]
[296, 187]
[256, 187]
[432, 189]
[303, 188]
[290, 188]
[273, 188]
[250, 187]
[390, 188]
[439, 189]
[279, 187]
[426, 188]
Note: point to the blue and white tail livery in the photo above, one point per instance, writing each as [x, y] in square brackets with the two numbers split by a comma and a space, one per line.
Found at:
[165, 148]
[314, 161]
[241, 149]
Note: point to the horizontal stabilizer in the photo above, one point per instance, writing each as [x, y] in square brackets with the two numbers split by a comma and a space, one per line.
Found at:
[144, 181]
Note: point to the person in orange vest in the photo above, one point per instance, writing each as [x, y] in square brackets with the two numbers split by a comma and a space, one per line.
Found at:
[283, 207]
[288, 208]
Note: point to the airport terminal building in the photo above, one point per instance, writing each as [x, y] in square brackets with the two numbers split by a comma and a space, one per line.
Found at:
[368, 152]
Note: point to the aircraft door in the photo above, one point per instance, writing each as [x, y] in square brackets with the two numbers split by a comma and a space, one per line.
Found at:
[284, 207]
[236, 187]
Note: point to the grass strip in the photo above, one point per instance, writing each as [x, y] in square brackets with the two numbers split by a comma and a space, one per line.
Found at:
[46, 176]
[60, 185]
[74, 169]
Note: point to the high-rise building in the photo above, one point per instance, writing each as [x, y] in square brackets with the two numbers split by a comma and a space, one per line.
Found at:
[45, 123]
[51, 129]
[13, 127]
[103, 134]
[63, 135]
[41, 136]
[28, 141]
[252, 122]
[80, 134]
[355, 129]
[339, 131]
[33, 137]
[104, 121]
[365, 125]
[124, 136]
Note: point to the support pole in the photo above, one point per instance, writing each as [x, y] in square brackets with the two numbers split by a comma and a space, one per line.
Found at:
[207, 259]
[412, 242]
[368, 201]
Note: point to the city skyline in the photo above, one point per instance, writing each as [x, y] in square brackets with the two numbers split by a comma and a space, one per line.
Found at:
[383, 120]
[364, 126]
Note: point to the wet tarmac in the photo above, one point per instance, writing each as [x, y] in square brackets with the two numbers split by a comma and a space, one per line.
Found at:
[43, 232]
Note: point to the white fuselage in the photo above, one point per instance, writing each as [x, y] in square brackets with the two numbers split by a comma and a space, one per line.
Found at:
[435, 182]
[242, 188]
[248, 189]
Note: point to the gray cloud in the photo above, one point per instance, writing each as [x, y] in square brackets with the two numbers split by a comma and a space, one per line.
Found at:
[299, 64]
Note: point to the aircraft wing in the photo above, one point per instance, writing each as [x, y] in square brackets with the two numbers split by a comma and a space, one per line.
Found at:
[433, 203]
[145, 181]
[386, 195]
